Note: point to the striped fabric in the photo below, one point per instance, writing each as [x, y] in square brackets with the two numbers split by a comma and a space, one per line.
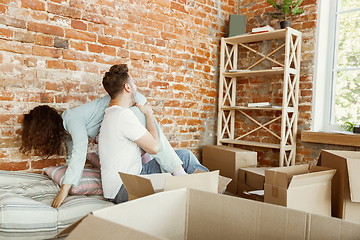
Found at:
[75, 207]
[25, 207]
[41, 191]
[7, 177]
[94, 159]
[23, 217]
[90, 182]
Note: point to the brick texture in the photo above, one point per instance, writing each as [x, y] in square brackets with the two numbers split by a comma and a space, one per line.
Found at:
[56, 52]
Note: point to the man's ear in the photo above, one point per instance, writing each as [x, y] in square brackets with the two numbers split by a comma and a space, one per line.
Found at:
[127, 87]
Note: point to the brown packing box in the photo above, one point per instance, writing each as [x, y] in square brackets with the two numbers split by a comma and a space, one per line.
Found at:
[298, 188]
[228, 160]
[345, 195]
[251, 179]
[192, 214]
[139, 186]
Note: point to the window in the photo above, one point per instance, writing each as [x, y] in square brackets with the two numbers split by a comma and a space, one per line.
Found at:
[337, 67]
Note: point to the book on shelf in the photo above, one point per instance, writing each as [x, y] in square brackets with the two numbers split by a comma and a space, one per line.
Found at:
[266, 28]
[259, 104]
[262, 104]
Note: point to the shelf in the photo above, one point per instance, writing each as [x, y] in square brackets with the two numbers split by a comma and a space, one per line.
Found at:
[286, 70]
[256, 144]
[288, 109]
[258, 37]
[251, 108]
[253, 73]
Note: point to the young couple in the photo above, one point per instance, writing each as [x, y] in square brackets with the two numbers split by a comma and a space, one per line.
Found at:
[127, 128]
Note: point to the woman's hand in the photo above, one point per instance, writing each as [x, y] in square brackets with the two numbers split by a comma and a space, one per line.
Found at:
[64, 191]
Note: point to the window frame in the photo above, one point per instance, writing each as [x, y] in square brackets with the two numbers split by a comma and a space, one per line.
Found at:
[323, 101]
[323, 69]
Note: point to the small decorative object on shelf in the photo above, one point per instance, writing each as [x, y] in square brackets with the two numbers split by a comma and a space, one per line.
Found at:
[284, 10]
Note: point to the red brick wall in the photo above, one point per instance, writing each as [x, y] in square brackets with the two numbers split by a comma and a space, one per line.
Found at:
[56, 51]
[266, 87]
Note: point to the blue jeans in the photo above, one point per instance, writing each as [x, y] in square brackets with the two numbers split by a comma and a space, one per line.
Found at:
[190, 164]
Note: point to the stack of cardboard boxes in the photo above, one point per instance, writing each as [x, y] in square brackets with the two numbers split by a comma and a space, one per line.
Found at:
[306, 199]
[295, 187]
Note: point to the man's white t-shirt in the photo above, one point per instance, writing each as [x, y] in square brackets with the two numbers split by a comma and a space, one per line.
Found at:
[117, 150]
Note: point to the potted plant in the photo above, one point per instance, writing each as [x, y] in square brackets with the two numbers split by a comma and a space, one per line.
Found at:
[284, 10]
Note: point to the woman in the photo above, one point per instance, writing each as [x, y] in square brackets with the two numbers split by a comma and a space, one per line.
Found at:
[44, 131]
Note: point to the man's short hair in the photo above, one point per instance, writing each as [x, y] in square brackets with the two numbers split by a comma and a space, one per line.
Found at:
[115, 79]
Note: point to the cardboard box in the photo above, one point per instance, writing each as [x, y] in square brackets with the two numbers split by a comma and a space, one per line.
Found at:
[345, 191]
[193, 214]
[139, 186]
[251, 179]
[298, 188]
[228, 160]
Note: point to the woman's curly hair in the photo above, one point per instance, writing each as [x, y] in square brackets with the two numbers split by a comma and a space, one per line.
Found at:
[43, 132]
[115, 79]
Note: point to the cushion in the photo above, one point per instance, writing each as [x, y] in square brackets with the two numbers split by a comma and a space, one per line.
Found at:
[43, 191]
[76, 207]
[7, 177]
[90, 182]
[23, 217]
[94, 159]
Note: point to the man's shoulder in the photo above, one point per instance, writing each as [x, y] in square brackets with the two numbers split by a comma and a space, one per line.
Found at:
[119, 112]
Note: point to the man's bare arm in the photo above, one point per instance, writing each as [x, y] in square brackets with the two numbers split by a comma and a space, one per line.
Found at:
[149, 142]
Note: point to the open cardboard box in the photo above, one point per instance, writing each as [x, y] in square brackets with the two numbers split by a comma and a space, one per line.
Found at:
[193, 214]
[345, 191]
[299, 188]
[139, 186]
[251, 180]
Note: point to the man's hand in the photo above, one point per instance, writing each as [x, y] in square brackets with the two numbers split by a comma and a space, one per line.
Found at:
[64, 191]
[145, 109]
[149, 142]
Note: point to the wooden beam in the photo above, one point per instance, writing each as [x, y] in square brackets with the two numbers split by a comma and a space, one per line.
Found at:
[350, 139]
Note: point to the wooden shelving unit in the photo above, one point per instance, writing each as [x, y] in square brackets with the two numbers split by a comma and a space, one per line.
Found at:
[289, 71]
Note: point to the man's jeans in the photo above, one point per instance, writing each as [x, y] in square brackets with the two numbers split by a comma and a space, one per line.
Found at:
[190, 164]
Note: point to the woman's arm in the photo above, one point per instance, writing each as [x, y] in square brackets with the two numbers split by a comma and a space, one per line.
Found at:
[77, 148]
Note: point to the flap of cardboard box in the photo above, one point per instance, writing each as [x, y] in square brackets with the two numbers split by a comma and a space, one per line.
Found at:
[139, 186]
[253, 176]
[353, 167]
[281, 176]
[223, 181]
[208, 181]
[311, 178]
[93, 227]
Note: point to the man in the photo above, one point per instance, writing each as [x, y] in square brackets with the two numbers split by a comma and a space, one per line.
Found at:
[123, 135]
